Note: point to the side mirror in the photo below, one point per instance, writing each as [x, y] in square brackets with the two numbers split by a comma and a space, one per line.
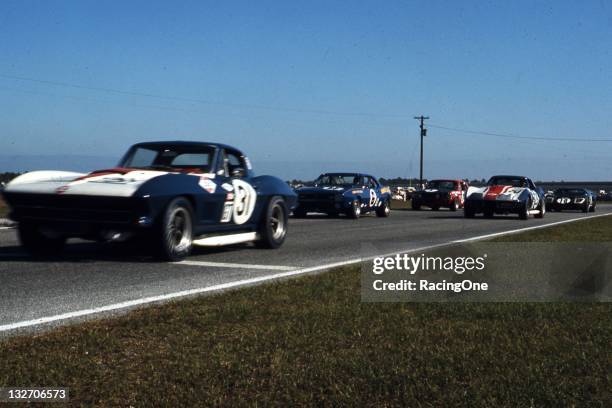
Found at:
[238, 172]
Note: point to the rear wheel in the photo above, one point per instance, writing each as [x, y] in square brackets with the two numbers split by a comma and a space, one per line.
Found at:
[355, 211]
[34, 241]
[273, 228]
[175, 231]
[384, 210]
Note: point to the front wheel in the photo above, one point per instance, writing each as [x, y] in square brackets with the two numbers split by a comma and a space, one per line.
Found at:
[175, 231]
[384, 210]
[592, 208]
[273, 228]
[37, 243]
[541, 210]
[355, 211]
[524, 212]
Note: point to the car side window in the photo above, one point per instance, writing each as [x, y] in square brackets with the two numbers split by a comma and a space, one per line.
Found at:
[233, 164]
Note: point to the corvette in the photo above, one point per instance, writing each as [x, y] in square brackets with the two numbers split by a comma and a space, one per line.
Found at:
[506, 195]
[167, 196]
[350, 193]
[571, 199]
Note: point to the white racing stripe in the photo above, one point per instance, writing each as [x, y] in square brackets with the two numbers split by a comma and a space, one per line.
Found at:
[259, 279]
[237, 265]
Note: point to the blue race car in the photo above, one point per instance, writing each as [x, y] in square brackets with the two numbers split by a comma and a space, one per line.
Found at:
[166, 195]
[352, 194]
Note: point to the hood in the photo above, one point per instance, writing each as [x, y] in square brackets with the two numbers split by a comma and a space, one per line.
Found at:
[491, 193]
[117, 182]
[325, 189]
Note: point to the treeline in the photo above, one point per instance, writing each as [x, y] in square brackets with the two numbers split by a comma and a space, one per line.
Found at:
[8, 176]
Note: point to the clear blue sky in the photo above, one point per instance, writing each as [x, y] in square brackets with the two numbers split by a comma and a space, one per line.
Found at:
[255, 74]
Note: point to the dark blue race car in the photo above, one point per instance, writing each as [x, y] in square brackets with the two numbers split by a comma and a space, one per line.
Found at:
[166, 195]
[352, 194]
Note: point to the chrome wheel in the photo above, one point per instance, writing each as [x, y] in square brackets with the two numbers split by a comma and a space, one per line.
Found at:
[277, 222]
[179, 232]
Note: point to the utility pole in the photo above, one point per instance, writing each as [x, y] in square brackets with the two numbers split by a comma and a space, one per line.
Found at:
[423, 134]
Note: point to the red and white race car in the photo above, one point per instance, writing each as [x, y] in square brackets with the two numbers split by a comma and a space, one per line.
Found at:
[506, 195]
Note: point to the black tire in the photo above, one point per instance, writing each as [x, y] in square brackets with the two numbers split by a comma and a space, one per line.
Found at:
[524, 212]
[355, 211]
[586, 208]
[454, 205]
[299, 213]
[468, 211]
[592, 208]
[488, 213]
[332, 214]
[542, 209]
[37, 243]
[435, 208]
[174, 231]
[416, 206]
[273, 227]
[384, 210]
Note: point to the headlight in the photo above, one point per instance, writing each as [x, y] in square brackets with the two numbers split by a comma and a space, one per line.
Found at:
[579, 200]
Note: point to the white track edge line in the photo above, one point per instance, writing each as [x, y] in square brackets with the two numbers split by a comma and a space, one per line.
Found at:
[244, 282]
[236, 265]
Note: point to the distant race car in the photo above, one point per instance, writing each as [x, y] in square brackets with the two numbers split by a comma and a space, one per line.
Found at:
[167, 196]
[352, 194]
[571, 199]
[441, 193]
[506, 195]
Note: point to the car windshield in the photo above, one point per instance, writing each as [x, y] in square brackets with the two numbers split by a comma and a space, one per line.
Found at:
[570, 191]
[164, 157]
[508, 181]
[337, 180]
[441, 184]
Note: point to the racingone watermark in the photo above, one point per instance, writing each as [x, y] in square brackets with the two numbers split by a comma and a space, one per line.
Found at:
[492, 272]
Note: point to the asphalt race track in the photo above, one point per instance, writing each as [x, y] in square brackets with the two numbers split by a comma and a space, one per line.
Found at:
[91, 275]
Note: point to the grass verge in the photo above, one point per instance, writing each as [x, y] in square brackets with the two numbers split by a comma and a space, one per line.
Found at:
[312, 341]
[400, 205]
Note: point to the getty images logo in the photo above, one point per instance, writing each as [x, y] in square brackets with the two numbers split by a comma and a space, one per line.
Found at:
[412, 264]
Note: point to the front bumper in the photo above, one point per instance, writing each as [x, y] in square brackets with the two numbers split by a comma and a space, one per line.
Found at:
[495, 206]
[75, 215]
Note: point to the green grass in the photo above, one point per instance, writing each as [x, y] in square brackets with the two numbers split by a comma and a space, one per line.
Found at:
[312, 341]
[400, 205]
[594, 230]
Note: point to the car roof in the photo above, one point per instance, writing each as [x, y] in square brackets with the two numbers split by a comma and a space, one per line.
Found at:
[346, 174]
[186, 143]
[453, 180]
[508, 176]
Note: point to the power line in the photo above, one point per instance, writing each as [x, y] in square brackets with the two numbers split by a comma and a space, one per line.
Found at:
[202, 101]
[509, 136]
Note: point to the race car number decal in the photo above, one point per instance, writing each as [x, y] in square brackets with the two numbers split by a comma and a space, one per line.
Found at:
[373, 198]
[244, 201]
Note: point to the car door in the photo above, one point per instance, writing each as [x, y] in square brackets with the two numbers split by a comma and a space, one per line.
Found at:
[372, 192]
